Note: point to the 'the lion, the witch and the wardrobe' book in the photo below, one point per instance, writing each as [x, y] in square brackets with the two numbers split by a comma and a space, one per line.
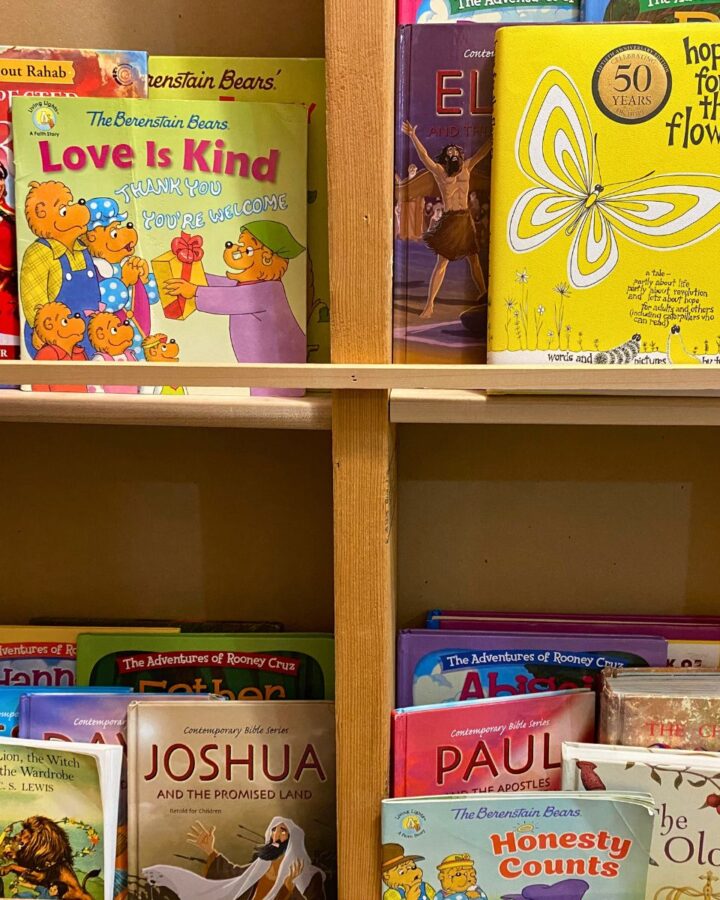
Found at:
[58, 815]
[606, 196]
[532, 846]
[503, 745]
[442, 192]
[685, 786]
[444, 667]
[161, 231]
[230, 801]
[235, 666]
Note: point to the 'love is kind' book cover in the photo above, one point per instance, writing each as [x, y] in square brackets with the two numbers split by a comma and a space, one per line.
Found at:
[533, 846]
[161, 231]
[503, 745]
[231, 801]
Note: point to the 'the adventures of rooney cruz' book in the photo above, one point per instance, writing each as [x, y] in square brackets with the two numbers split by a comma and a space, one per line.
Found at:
[504, 745]
[606, 200]
[48, 72]
[44, 656]
[443, 667]
[58, 814]
[686, 789]
[231, 801]
[442, 192]
[649, 11]
[439, 12]
[236, 666]
[692, 642]
[277, 81]
[535, 846]
[161, 230]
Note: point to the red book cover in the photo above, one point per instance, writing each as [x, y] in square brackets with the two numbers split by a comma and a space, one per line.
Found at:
[44, 72]
[508, 744]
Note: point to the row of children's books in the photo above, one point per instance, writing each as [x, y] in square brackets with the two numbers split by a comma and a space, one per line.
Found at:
[166, 764]
[556, 186]
[556, 757]
[162, 209]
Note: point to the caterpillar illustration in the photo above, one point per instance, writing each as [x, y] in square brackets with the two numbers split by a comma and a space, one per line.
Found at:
[621, 355]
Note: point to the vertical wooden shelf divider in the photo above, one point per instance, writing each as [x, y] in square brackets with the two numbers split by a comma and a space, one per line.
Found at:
[360, 60]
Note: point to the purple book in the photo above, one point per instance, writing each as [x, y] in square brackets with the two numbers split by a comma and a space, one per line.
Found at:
[446, 667]
[442, 192]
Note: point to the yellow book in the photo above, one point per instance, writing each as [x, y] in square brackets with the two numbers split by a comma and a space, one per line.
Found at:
[606, 196]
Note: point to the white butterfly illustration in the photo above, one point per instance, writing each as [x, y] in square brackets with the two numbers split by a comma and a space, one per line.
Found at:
[556, 149]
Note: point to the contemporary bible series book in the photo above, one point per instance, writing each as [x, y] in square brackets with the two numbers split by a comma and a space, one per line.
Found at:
[161, 231]
[230, 799]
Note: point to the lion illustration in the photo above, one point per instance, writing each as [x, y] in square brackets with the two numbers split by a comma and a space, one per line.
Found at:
[41, 855]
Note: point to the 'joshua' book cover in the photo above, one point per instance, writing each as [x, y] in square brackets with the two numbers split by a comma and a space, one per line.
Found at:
[11, 698]
[672, 708]
[441, 12]
[278, 81]
[606, 205]
[442, 192]
[161, 231]
[504, 745]
[692, 642]
[443, 667]
[686, 789]
[58, 809]
[231, 801]
[536, 846]
[648, 11]
[91, 718]
[48, 72]
[44, 656]
[238, 667]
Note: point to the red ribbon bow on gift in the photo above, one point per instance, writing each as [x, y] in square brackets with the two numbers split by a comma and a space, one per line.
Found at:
[188, 249]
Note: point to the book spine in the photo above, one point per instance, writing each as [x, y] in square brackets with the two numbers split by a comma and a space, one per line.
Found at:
[399, 753]
[610, 715]
[404, 675]
[132, 795]
[24, 725]
[406, 12]
[403, 87]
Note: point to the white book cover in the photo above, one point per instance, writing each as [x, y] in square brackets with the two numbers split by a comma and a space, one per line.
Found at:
[58, 818]
[685, 785]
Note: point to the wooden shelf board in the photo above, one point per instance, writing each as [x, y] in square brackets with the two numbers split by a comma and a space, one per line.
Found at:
[677, 381]
[310, 413]
[468, 407]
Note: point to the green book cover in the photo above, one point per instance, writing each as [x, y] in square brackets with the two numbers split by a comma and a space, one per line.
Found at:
[161, 230]
[282, 81]
[235, 666]
[52, 821]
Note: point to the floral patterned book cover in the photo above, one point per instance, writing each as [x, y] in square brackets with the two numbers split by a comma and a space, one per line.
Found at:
[58, 817]
[532, 846]
[161, 231]
[685, 786]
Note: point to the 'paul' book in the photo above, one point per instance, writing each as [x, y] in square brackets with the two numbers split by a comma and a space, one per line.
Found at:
[161, 231]
[231, 801]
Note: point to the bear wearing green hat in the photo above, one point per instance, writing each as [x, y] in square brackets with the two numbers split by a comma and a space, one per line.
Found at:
[262, 325]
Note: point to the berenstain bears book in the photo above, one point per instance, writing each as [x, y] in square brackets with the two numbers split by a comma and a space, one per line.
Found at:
[162, 230]
[507, 744]
[442, 667]
[441, 12]
[672, 708]
[44, 656]
[11, 699]
[231, 801]
[686, 789]
[46, 72]
[551, 846]
[93, 718]
[692, 642]
[442, 192]
[606, 205]
[58, 815]
[278, 81]
[239, 667]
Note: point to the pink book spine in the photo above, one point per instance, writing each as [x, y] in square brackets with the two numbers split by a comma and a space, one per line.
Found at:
[407, 11]
[399, 742]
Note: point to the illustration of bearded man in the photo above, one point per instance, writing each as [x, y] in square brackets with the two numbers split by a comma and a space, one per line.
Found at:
[281, 869]
[453, 236]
